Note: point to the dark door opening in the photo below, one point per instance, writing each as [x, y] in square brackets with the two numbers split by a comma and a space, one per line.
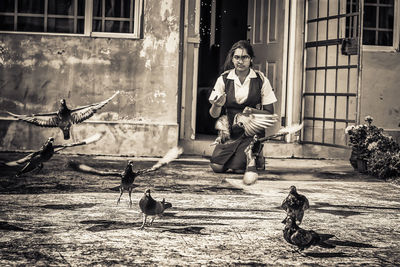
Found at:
[222, 23]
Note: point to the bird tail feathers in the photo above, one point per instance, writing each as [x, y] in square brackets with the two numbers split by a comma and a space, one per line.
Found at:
[76, 166]
[284, 131]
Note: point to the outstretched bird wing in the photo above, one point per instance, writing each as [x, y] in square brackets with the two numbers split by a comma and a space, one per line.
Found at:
[41, 119]
[172, 154]
[57, 148]
[82, 113]
[23, 160]
[254, 123]
[92, 139]
[52, 119]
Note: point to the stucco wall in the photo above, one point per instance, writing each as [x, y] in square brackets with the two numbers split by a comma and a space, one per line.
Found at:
[37, 70]
[380, 90]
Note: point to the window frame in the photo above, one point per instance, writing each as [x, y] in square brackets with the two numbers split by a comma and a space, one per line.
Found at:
[88, 21]
[396, 33]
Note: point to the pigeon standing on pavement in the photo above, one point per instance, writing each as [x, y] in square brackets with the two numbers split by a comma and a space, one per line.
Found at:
[295, 204]
[64, 117]
[128, 175]
[151, 207]
[35, 159]
[302, 238]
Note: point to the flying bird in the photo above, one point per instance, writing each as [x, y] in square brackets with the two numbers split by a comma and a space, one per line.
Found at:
[64, 117]
[151, 207]
[295, 204]
[35, 159]
[128, 175]
[254, 121]
[302, 238]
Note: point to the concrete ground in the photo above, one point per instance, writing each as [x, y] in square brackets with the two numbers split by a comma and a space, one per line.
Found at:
[63, 218]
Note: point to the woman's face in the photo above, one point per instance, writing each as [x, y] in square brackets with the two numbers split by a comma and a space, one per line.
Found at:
[241, 60]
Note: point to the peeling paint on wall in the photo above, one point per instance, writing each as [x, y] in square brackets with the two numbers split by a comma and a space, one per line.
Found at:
[87, 61]
[36, 71]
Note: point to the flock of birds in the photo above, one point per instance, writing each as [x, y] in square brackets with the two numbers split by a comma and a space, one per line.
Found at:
[64, 118]
[294, 204]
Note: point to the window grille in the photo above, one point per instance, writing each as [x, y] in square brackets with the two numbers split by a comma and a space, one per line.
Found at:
[108, 18]
[378, 22]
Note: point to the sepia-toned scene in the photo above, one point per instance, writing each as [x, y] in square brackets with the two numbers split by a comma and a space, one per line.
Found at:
[199, 132]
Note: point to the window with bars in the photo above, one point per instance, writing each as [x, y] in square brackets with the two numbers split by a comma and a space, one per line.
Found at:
[380, 23]
[108, 18]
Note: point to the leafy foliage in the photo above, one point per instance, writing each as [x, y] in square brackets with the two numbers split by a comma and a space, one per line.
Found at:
[379, 150]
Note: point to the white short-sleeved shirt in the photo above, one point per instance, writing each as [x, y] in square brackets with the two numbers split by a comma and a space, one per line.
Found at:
[242, 90]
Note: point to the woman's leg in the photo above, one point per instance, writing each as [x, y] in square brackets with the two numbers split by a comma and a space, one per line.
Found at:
[217, 167]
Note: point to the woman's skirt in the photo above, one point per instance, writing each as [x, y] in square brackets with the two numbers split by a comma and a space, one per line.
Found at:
[231, 155]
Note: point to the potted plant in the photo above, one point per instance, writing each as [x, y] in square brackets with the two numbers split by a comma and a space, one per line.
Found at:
[372, 150]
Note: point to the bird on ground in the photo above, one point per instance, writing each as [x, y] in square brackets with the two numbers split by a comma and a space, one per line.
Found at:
[34, 161]
[64, 117]
[302, 238]
[295, 204]
[128, 175]
[151, 207]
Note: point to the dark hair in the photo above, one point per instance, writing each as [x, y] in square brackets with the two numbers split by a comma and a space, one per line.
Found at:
[243, 44]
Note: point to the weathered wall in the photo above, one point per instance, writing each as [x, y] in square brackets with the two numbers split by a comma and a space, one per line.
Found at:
[380, 90]
[37, 70]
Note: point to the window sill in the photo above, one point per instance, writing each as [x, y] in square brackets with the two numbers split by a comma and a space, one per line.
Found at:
[45, 33]
[93, 34]
[372, 48]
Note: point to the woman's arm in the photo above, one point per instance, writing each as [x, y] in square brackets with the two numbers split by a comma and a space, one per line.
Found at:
[269, 108]
[216, 105]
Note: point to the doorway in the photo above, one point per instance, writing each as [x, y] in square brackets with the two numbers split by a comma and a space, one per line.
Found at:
[222, 23]
[211, 27]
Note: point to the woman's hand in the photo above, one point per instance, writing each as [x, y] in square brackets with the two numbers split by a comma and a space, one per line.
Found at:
[219, 101]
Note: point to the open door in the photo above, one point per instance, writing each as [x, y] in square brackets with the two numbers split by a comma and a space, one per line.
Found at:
[211, 27]
[266, 33]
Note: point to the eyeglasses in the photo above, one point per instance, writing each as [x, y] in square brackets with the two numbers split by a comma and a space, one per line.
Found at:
[242, 58]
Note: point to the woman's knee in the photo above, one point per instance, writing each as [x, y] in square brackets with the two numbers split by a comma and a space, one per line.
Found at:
[217, 167]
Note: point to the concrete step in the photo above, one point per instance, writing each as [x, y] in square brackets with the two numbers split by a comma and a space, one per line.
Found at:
[272, 149]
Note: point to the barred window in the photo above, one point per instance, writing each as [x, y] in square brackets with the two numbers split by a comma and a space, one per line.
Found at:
[108, 18]
[379, 22]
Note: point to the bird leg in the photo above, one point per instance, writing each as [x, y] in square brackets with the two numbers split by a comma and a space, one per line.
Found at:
[144, 221]
[121, 191]
[130, 198]
[39, 168]
[152, 220]
[300, 252]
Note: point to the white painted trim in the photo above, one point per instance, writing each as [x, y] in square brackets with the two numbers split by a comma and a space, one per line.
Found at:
[45, 34]
[114, 35]
[284, 58]
[195, 69]
[184, 67]
[291, 66]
